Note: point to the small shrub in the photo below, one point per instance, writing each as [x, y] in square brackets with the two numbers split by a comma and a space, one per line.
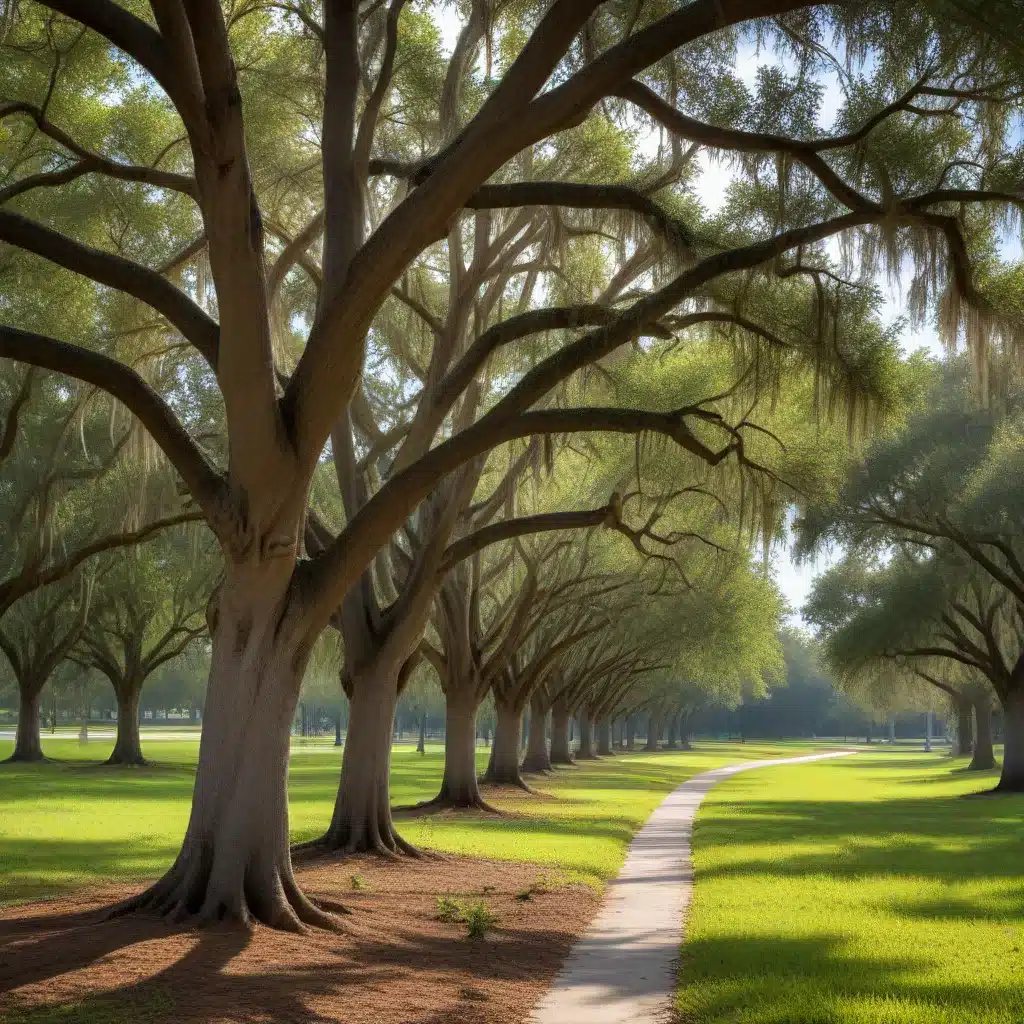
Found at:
[359, 883]
[449, 910]
[538, 887]
[479, 919]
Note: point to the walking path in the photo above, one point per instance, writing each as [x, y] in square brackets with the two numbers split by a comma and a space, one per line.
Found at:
[623, 970]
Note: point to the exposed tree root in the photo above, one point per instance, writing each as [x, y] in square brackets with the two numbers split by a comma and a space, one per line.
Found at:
[441, 802]
[382, 841]
[189, 894]
[17, 758]
[130, 762]
[512, 783]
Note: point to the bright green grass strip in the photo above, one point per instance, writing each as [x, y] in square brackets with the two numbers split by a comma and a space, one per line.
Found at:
[74, 822]
[866, 890]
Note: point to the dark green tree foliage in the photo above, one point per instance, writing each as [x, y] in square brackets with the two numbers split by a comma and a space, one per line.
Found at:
[933, 585]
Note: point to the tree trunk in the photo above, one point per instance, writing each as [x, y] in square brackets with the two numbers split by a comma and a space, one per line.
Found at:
[653, 731]
[337, 729]
[362, 821]
[561, 748]
[604, 737]
[984, 756]
[685, 730]
[630, 732]
[459, 786]
[235, 860]
[585, 752]
[27, 746]
[537, 757]
[128, 745]
[964, 732]
[1012, 778]
[673, 733]
[421, 743]
[503, 767]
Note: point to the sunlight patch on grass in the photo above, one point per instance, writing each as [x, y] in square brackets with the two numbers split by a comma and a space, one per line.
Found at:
[859, 891]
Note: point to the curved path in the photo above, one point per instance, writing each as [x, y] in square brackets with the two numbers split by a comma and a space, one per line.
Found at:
[623, 970]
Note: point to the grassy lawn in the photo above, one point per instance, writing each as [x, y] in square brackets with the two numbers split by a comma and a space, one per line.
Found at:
[75, 822]
[867, 889]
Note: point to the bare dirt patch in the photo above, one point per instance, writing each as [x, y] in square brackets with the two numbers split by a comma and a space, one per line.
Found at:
[394, 963]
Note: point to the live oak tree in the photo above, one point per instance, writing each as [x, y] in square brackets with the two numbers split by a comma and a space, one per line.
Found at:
[919, 156]
[939, 504]
[147, 609]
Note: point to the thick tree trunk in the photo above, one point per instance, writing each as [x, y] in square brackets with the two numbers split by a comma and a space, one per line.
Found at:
[537, 757]
[604, 737]
[27, 746]
[235, 861]
[630, 732]
[585, 751]
[984, 759]
[128, 745]
[653, 731]
[1012, 778]
[362, 822]
[561, 747]
[503, 767]
[964, 732]
[459, 786]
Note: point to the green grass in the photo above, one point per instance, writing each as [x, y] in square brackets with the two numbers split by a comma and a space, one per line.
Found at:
[866, 890]
[74, 822]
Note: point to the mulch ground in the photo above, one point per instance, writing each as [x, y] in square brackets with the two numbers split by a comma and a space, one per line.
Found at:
[394, 963]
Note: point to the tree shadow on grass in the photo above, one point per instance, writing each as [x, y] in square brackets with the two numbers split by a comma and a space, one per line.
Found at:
[810, 979]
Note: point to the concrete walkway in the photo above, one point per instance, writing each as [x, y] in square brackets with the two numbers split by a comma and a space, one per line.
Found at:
[623, 970]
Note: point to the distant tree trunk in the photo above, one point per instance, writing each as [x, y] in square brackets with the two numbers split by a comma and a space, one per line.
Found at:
[586, 747]
[537, 757]
[337, 729]
[892, 728]
[630, 732]
[673, 733]
[653, 731]
[27, 745]
[964, 732]
[685, 729]
[459, 785]
[561, 748]
[421, 743]
[1012, 778]
[503, 767]
[128, 745]
[604, 738]
[984, 756]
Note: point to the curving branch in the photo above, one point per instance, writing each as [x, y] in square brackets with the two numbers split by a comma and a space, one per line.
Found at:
[10, 432]
[581, 197]
[204, 483]
[148, 286]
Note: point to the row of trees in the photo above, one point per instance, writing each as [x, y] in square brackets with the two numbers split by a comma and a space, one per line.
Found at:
[441, 350]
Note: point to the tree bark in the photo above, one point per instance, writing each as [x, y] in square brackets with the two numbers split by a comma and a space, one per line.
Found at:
[561, 747]
[984, 756]
[673, 733]
[27, 745]
[630, 732]
[503, 767]
[653, 731]
[1012, 778]
[235, 861]
[604, 737]
[585, 751]
[459, 785]
[362, 822]
[537, 757]
[128, 745]
[964, 731]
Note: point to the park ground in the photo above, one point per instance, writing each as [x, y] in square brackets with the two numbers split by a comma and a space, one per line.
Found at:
[869, 889]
